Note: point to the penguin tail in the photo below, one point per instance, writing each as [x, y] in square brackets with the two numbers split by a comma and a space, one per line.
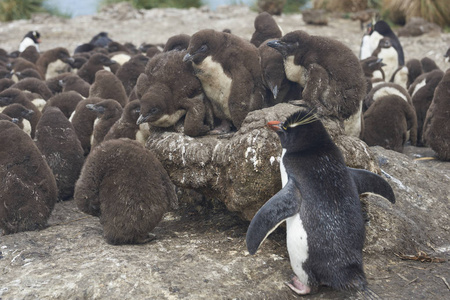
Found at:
[368, 294]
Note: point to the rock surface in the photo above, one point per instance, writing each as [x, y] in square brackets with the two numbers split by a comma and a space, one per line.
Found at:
[242, 170]
[200, 252]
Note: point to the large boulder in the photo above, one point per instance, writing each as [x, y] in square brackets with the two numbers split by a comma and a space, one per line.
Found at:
[242, 171]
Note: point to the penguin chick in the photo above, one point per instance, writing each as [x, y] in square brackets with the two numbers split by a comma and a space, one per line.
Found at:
[59, 144]
[436, 129]
[75, 83]
[100, 40]
[126, 126]
[422, 92]
[21, 114]
[27, 73]
[108, 112]
[12, 95]
[387, 121]
[414, 70]
[32, 38]
[333, 84]
[428, 65]
[95, 63]
[31, 53]
[83, 122]
[274, 78]
[168, 90]
[177, 42]
[28, 189]
[129, 72]
[265, 28]
[107, 86]
[6, 83]
[320, 203]
[129, 206]
[230, 73]
[16, 121]
[65, 101]
[34, 85]
[54, 83]
[373, 71]
[53, 62]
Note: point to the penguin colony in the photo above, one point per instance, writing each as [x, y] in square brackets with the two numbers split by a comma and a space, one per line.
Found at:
[82, 121]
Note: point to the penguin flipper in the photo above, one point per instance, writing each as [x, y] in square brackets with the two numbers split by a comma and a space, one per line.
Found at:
[368, 182]
[281, 206]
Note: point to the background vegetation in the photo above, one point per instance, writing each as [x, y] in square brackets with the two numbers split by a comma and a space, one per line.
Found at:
[23, 9]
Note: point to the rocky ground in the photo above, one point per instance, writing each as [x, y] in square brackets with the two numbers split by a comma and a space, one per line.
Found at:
[199, 251]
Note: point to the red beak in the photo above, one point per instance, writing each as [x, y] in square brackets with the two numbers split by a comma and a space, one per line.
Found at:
[274, 125]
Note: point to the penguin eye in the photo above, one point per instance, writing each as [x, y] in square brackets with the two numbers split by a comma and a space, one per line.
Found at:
[203, 48]
[154, 110]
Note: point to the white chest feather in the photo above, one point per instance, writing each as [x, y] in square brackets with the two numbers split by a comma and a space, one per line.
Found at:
[55, 68]
[92, 135]
[26, 42]
[26, 126]
[297, 246]
[419, 86]
[121, 58]
[39, 103]
[296, 237]
[284, 177]
[215, 83]
[107, 68]
[390, 58]
[143, 133]
[295, 72]
[169, 120]
[352, 125]
[386, 91]
[401, 77]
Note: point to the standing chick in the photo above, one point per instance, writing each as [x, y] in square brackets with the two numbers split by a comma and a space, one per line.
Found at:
[129, 206]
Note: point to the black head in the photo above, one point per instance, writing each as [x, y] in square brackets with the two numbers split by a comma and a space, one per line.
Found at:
[63, 54]
[178, 42]
[34, 35]
[132, 110]
[302, 131]
[99, 58]
[290, 43]
[203, 44]
[9, 96]
[383, 28]
[153, 104]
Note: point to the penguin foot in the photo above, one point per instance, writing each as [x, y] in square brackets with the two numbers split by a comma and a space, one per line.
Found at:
[298, 287]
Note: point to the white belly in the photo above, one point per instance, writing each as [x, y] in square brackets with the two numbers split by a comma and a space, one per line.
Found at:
[143, 133]
[295, 72]
[297, 246]
[216, 84]
[26, 126]
[296, 238]
[55, 68]
[352, 125]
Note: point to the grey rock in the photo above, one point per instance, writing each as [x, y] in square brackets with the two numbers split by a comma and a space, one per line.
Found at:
[242, 171]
